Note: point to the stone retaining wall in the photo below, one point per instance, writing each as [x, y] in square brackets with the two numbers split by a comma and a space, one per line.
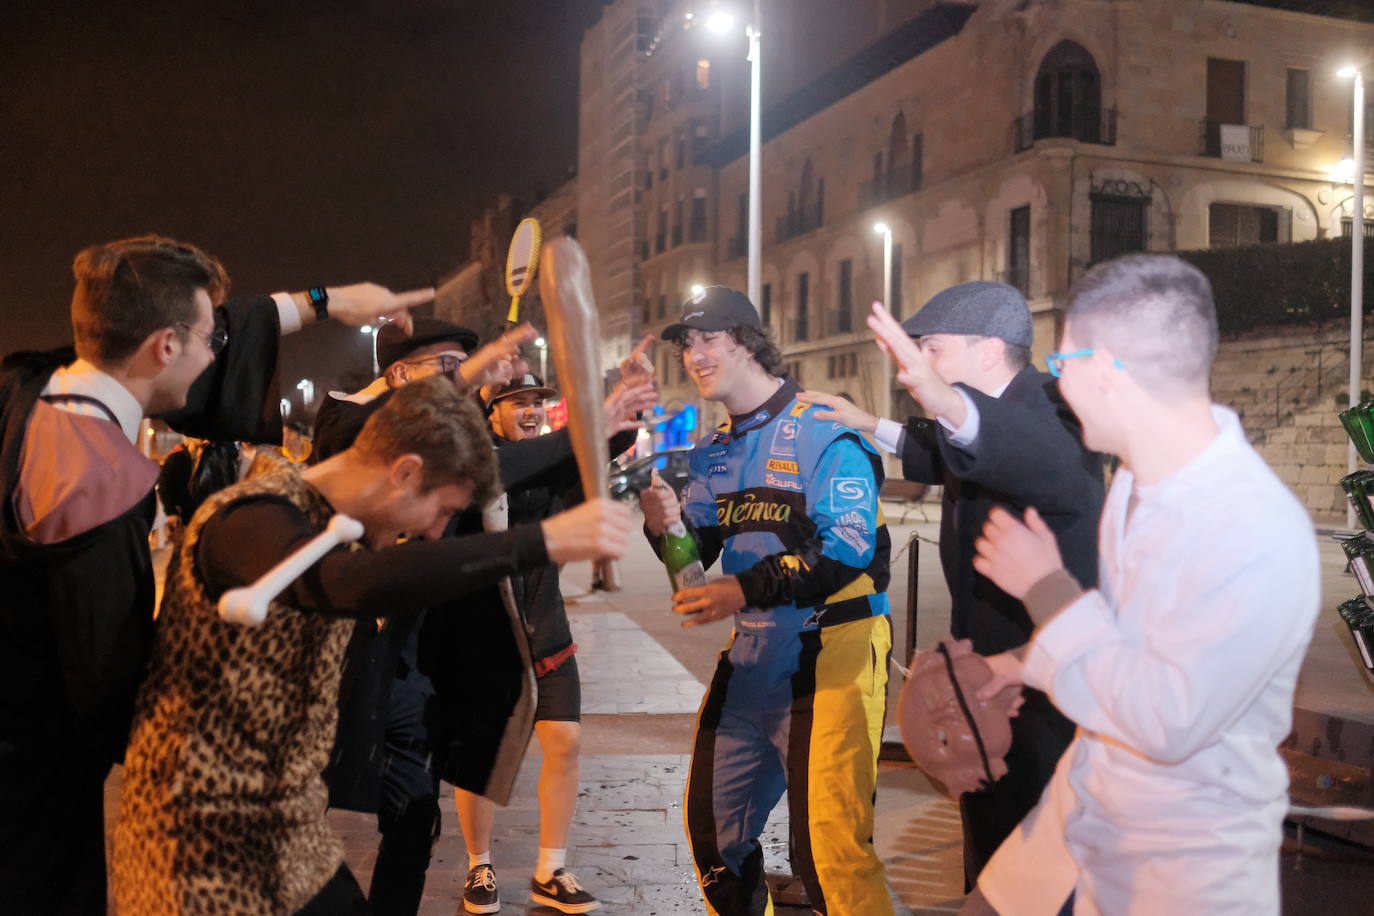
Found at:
[1288, 385]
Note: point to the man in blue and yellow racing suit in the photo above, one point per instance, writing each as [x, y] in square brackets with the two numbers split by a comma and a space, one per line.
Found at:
[789, 504]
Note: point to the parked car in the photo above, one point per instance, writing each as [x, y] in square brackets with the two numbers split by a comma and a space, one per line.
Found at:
[627, 481]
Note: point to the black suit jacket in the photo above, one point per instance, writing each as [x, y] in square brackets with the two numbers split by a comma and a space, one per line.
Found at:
[1029, 452]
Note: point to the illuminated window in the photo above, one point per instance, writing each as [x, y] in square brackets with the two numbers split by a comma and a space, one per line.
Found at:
[703, 74]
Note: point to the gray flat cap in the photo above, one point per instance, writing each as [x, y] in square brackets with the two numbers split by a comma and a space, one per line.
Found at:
[979, 308]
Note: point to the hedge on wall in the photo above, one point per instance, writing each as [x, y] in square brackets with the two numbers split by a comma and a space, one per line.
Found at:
[1282, 284]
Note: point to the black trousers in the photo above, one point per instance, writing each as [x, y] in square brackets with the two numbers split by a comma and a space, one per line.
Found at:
[408, 817]
[52, 833]
[340, 897]
[1039, 736]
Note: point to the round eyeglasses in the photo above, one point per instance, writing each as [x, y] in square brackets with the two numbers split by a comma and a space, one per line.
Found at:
[215, 340]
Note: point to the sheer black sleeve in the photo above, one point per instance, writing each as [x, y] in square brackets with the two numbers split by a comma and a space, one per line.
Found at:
[247, 538]
[238, 397]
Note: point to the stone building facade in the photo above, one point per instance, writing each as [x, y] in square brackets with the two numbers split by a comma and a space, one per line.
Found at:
[1036, 138]
[1013, 140]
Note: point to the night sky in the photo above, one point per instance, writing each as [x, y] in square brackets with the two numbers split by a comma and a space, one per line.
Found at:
[301, 142]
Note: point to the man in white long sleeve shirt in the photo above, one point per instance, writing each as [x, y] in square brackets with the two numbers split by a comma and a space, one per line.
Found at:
[1179, 668]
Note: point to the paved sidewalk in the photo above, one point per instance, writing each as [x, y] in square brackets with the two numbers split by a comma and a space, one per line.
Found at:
[628, 844]
[629, 849]
[643, 678]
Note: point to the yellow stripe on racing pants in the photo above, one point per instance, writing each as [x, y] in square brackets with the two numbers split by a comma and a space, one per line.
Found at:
[800, 712]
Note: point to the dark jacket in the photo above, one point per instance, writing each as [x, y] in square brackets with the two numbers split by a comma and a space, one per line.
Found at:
[76, 621]
[536, 493]
[1029, 452]
[465, 648]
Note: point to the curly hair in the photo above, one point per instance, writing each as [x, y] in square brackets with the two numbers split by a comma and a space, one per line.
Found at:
[433, 419]
[755, 340]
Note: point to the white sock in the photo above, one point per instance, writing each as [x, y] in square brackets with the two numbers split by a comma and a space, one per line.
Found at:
[478, 858]
[550, 861]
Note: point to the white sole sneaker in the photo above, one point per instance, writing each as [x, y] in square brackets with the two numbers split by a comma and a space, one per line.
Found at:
[563, 907]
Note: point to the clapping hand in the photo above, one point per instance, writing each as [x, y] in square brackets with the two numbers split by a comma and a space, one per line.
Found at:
[1014, 554]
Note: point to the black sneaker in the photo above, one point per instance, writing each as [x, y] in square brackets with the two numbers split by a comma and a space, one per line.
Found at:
[479, 891]
[563, 893]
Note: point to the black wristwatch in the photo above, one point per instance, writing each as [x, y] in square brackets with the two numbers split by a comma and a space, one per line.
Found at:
[319, 299]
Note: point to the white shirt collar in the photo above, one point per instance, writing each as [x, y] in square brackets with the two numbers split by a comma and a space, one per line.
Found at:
[85, 379]
[1230, 436]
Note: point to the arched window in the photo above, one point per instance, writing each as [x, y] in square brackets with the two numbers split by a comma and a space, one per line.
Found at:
[808, 185]
[1068, 95]
[897, 148]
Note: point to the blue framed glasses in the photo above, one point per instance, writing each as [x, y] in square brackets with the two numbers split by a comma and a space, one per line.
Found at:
[1056, 361]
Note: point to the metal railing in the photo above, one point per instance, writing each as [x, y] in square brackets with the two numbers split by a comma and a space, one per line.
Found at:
[1210, 142]
[1085, 126]
[902, 179]
[800, 221]
[840, 321]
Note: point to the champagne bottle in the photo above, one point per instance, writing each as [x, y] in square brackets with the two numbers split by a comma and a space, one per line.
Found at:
[1359, 617]
[681, 558]
[1359, 550]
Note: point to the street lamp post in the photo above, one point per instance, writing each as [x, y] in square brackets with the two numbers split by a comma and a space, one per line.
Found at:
[722, 22]
[1356, 265]
[542, 346]
[885, 395]
[755, 157]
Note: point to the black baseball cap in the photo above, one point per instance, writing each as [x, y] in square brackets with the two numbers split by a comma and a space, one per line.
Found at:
[715, 308]
[527, 382]
[394, 345]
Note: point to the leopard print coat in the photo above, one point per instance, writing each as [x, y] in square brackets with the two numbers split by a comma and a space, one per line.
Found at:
[223, 807]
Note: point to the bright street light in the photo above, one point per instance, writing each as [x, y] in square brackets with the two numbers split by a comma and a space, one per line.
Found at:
[720, 22]
[366, 329]
[697, 290]
[885, 375]
[540, 342]
[1357, 166]
[1343, 172]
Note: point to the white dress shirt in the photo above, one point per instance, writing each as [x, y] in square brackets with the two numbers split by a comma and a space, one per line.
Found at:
[1179, 670]
[888, 433]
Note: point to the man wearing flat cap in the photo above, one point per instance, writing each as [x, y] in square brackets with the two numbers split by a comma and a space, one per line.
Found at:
[996, 433]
